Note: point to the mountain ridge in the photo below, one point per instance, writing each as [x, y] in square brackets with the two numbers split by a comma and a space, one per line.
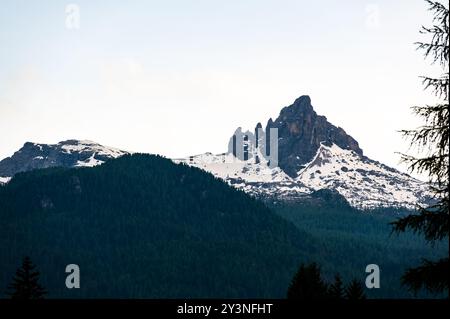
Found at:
[68, 153]
[337, 162]
[141, 226]
[307, 143]
[301, 131]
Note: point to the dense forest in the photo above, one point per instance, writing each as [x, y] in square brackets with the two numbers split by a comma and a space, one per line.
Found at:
[141, 226]
[349, 239]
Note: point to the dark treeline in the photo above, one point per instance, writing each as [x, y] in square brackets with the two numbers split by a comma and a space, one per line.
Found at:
[350, 239]
[308, 284]
[141, 226]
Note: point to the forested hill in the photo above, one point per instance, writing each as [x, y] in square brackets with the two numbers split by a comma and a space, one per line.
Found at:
[141, 226]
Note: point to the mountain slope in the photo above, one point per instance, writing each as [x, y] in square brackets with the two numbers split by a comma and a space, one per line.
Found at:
[364, 182]
[350, 240]
[301, 132]
[68, 153]
[312, 154]
[141, 226]
[254, 178]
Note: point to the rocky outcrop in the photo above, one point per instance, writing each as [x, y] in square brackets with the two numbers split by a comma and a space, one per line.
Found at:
[68, 153]
[300, 133]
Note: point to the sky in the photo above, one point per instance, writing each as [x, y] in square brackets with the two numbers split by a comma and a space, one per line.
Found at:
[178, 77]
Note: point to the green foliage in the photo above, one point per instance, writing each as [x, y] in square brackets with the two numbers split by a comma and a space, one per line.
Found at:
[25, 284]
[143, 227]
[348, 240]
[432, 139]
[433, 276]
[336, 289]
[354, 291]
[307, 284]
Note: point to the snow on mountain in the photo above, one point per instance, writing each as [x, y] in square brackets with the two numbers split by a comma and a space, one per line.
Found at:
[227, 166]
[70, 153]
[253, 177]
[362, 181]
[90, 162]
[4, 180]
[312, 154]
[76, 146]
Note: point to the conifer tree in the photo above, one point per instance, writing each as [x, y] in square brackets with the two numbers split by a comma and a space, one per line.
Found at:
[354, 291]
[25, 284]
[336, 290]
[432, 141]
[307, 284]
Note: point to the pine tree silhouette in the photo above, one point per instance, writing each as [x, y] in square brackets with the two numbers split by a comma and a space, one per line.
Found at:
[307, 284]
[25, 283]
[432, 138]
[354, 291]
[336, 290]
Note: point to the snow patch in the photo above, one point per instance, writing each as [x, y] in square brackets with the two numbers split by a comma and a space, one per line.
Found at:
[86, 145]
[363, 182]
[90, 162]
[4, 180]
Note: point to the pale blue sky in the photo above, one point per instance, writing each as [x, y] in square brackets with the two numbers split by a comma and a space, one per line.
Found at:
[177, 77]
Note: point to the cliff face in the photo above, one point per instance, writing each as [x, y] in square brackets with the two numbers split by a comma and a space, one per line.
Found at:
[313, 155]
[68, 153]
[300, 134]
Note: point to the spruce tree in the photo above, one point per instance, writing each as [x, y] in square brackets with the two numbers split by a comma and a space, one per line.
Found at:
[354, 291]
[432, 141]
[336, 290]
[307, 284]
[25, 283]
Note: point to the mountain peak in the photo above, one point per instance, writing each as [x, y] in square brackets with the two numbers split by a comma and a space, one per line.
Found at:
[68, 153]
[301, 106]
[301, 132]
[303, 100]
[76, 142]
[316, 161]
[364, 182]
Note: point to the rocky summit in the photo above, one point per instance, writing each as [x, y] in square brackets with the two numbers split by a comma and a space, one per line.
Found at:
[313, 154]
[301, 132]
[70, 153]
